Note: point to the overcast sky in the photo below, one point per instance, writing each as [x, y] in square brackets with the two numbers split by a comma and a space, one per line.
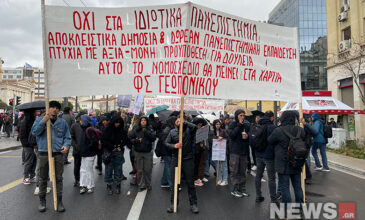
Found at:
[21, 30]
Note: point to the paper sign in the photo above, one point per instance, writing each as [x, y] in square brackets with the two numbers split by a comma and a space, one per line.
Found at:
[124, 101]
[175, 50]
[137, 104]
[219, 150]
[202, 134]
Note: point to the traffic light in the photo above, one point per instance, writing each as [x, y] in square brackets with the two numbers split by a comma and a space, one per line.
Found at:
[18, 100]
[11, 102]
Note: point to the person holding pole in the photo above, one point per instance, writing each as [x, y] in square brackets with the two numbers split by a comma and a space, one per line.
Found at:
[187, 163]
[239, 149]
[61, 142]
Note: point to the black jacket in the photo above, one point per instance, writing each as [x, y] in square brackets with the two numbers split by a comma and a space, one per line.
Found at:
[114, 137]
[83, 146]
[189, 130]
[147, 134]
[25, 127]
[268, 153]
[281, 142]
[161, 148]
[237, 145]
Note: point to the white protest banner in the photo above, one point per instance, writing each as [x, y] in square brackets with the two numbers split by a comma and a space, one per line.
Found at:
[124, 101]
[202, 134]
[138, 101]
[179, 50]
[204, 105]
[2, 111]
[219, 150]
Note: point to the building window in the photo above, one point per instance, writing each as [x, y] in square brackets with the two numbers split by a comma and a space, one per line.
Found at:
[10, 76]
[18, 77]
[346, 33]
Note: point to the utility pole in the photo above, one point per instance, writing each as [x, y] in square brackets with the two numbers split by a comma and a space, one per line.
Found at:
[275, 113]
[92, 102]
[13, 130]
[65, 102]
[76, 104]
[107, 98]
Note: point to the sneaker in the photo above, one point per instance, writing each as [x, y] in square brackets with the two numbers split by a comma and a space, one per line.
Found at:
[224, 183]
[326, 170]
[32, 180]
[254, 168]
[260, 199]
[219, 182]
[49, 189]
[244, 193]
[318, 168]
[236, 193]
[91, 190]
[205, 180]
[26, 181]
[83, 190]
[198, 183]
[194, 209]
[36, 191]
[76, 184]
[165, 186]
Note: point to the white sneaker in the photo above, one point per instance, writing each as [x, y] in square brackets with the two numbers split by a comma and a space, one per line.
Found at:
[254, 168]
[219, 182]
[224, 183]
[318, 168]
[36, 191]
[49, 189]
[91, 190]
[205, 180]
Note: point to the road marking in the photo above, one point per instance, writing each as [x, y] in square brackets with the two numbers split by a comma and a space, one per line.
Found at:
[4, 152]
[10, 156]
[136, 209]
[11, 185]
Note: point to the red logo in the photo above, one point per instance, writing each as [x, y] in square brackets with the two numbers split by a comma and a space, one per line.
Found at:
[346, 210]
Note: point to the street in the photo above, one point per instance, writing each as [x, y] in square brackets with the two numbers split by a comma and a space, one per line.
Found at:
[18, 202]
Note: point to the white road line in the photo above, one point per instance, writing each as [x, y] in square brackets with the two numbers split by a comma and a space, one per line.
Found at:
[5, 152]
[136, 209]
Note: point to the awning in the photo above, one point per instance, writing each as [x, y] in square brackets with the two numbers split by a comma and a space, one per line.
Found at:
[322, 105]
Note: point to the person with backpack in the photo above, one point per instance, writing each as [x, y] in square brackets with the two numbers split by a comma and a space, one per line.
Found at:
[142, 137]
[319, 142]
[187, 161]
[239, 149]
[29, 143]
[220, 134]
[291, 151]
[264, 155]
[114, 138]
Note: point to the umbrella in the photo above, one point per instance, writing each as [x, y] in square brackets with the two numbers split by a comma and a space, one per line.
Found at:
[32, 105]
[209, 117]
[192, 112]
[257, 112]
[157, 109]
[233, 108]
[164, 115]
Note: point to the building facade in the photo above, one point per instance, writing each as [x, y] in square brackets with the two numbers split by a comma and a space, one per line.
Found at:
[40, 83]
[22, 88]
[309, 16]
[12, 74]
[346, 57]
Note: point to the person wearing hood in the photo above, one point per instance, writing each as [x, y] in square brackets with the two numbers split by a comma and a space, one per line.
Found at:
[319, 142]
[286, 171]
[163, 151]
[187, 160]
[265, 159]
[87, 144]
[200, 155]
[142, 137]
[220, 134]
[239, 149]
[103, 124]
[114, 139]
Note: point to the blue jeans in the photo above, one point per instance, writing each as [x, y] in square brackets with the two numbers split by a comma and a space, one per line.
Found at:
[166, 176]
[223, 171]
[113, 170]
[209, 162]
[322, 149]
[285, 187]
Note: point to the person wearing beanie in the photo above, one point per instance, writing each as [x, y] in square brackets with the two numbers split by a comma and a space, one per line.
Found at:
[61, 142]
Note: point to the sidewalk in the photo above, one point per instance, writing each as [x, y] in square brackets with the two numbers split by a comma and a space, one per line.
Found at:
[9, 143]
[347, 163]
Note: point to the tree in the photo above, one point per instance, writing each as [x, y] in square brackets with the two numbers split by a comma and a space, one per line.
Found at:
[3, 105]
[69, 105]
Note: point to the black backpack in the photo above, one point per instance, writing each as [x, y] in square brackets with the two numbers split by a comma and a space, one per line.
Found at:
[32, 141]
[297, 150]
[327, 131]
[258, 137]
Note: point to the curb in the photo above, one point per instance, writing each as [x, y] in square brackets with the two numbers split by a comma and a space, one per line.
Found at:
[361, 172]
[10, 148]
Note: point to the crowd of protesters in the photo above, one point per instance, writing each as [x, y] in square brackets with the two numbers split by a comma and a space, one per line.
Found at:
[281, 149]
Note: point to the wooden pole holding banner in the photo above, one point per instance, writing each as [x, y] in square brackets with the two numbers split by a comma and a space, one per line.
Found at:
[178, 168]
[49, 136]
[216, 179]
[303, 176]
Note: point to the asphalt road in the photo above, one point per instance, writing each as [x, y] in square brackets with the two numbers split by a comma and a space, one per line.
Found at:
[18, 202]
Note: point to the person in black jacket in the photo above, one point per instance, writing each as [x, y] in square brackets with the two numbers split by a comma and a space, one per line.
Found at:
[286, 172]
[142, 137]
[187, 161]
[30, 159]
[165, 152]
[239, 149]
[113, 139]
